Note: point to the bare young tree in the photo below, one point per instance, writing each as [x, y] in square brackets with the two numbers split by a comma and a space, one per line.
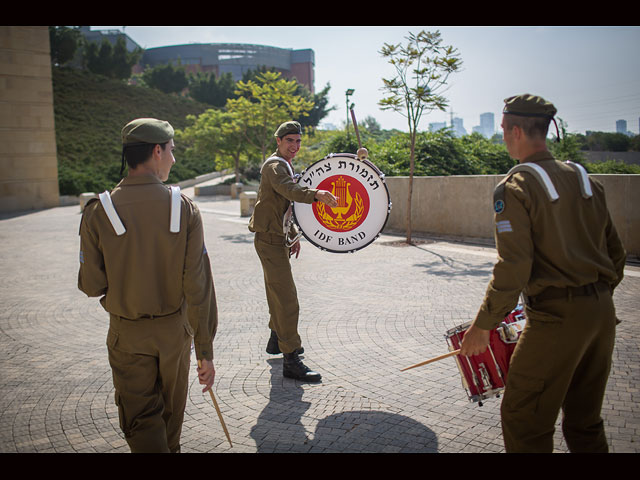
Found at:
[423, 67]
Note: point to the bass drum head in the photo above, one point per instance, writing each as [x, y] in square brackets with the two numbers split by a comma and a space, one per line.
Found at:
[363, 204]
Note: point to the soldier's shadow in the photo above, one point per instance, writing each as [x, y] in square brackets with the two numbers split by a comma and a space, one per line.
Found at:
[280, 428]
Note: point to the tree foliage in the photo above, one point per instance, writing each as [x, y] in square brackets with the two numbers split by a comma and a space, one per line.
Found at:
[212, 90]
[568, 148]
[605, 142]
[214, 134]
[63, 42]
[264, 104]
[111, 61]
[422, 69]
[613, 167]
[167, 78]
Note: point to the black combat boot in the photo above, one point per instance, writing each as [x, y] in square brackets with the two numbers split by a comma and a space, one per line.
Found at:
[274, 349]
[272, 344]
[292, 367]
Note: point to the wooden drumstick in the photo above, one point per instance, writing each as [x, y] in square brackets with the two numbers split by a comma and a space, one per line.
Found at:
[435, 359]
[215, 404]
[355, 126]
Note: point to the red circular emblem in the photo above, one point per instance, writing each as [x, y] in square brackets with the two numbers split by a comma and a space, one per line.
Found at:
[353, 203]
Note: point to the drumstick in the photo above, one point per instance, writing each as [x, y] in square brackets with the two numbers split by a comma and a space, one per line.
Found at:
[355, 126]
[362, 152]
[435, 359]
[215, 404]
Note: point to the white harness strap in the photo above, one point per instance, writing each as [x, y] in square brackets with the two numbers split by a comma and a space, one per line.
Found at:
[109, 209]
[112, 215]
[542, 176]
[281, 160]
[287, 219]
[585, 185]
[175, 209]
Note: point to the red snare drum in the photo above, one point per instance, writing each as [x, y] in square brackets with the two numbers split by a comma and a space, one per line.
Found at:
[485, 375]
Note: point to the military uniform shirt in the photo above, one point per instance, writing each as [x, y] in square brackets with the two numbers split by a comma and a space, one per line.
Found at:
[149, 271]
[277, 190]
[570, 242]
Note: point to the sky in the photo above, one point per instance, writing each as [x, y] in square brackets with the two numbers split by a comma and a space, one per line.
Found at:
[590, 73]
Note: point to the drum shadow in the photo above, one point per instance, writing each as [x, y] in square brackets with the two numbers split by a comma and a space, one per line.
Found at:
[279, 427]
[372, 431]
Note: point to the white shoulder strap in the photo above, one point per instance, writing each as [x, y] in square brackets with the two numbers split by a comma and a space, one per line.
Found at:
[280, 159]
[585, 185]
[110, 210]
[541, 175]
[176, 205]
[107, 204]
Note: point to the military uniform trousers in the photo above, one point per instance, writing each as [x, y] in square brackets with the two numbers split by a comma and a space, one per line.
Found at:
[150, 359]
[282, 296]
[562, 362]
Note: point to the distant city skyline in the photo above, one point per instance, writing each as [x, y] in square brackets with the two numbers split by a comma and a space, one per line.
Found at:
[591, 74]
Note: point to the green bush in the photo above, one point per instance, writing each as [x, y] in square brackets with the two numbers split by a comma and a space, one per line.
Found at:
[90, 111]
[612, 167]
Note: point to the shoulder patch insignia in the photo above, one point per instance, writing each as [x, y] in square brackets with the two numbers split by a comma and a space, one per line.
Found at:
[498, 199]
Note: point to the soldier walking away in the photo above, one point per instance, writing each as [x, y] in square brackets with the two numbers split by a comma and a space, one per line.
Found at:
[142, 252]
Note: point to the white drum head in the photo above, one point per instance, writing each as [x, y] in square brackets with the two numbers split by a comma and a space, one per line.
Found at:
[363, 204]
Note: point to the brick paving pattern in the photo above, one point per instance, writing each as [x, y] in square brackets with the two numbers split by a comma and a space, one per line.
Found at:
[364, 316]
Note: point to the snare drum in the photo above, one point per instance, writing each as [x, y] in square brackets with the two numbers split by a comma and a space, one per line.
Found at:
[363, 204]
[485, 375]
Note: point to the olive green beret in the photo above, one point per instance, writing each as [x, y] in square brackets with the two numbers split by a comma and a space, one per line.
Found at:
[287, 128]
[146, 130]
[528, 105]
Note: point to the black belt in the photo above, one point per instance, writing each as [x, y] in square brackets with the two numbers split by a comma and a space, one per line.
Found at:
[555, 293]
[150, 317]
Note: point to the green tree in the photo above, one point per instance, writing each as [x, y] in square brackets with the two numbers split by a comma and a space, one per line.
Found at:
[487, 157]
[112, 61]
[422, 70]
[64, 42]
[372, 125]
[568, 148]
[441, 153]
[214, 134]
[212, 90]
[320, 100]
[320, 108]
[607, 142]
[264, 104]
[167, 78]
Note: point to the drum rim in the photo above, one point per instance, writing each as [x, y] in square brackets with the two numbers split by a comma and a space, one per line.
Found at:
[384, 183]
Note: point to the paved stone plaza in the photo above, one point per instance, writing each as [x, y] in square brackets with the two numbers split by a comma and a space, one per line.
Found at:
[364, 316]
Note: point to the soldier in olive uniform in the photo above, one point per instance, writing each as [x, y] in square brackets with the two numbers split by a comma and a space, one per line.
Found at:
[142, 251]
[276, 241]
[558, 247]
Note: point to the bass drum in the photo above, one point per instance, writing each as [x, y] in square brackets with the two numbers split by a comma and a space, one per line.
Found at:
[363, 204]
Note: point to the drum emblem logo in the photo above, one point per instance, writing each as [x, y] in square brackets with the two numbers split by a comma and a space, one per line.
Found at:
[353, 204]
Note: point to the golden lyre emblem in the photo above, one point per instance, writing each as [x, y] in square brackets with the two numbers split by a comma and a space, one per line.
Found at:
[341, 192]
[346, 204]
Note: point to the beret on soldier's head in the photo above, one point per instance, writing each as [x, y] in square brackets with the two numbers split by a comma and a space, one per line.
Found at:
[527, 105]
[147, 130]
[287, 128]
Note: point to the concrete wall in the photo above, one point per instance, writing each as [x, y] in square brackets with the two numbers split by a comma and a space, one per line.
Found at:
[462, 206]
[28, 162]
